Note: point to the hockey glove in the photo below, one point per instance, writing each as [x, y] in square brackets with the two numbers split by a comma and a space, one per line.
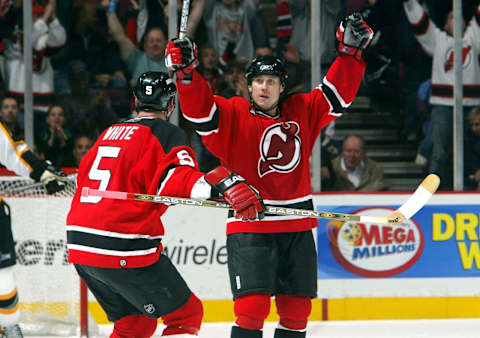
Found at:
[51, 177]
[245, 201]
[181, 57]
[353, 35]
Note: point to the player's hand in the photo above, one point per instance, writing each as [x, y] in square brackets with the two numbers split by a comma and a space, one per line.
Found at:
[53, 178]
[353, 35]
[181, 57]
[246, 202]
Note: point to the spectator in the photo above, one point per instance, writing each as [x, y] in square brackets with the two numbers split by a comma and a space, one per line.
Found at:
[425, 146]
[48, 37]
[472, 151]
[137, 61]
[10, 12]
[229, 28]
[263, 50]
[9, 117]
[88, 110]
[293, 26]
[55, 141]
[396, 64]
[81, 146]
[207, 67]
[195, 25]
[439, 44]
[234, 82]
[140, 20]
[353, 170]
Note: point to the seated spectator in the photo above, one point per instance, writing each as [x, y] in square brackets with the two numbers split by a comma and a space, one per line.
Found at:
[48, 37]
[81, 146]
[207, 67]
[55, 141]
[472, 151]
[234, 82]
[137, 61]
[354, 171]
[88, 110]
[9, 112]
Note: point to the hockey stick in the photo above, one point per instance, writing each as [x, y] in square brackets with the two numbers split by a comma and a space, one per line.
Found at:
[419, 198]
[184, 19]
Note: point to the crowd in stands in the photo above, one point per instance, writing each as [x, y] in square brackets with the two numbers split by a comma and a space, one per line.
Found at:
[87, 54]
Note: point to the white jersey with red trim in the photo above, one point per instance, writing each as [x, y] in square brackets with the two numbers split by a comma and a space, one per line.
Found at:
[47, 39]
[440, 46]
[271, 153]
[148, 156]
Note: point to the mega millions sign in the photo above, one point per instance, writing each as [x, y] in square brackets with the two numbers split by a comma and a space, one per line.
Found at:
[374, 250]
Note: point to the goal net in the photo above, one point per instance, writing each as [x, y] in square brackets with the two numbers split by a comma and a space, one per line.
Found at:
[48, 286]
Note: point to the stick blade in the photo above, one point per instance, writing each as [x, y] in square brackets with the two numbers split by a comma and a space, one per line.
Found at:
[431, 183]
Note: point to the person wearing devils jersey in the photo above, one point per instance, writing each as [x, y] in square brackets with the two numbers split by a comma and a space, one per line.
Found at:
[116, 245]
[268, 140]
[439, 44]
[17, 157]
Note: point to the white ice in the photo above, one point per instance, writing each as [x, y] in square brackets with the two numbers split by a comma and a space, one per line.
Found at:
[454, 328]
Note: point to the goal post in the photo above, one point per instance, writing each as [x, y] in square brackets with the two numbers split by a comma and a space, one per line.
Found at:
[52, 301]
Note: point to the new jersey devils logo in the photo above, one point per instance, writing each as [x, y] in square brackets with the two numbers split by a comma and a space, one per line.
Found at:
[279, 148]
[450, 55]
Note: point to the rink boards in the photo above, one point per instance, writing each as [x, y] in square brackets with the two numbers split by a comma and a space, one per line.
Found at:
[429, 268]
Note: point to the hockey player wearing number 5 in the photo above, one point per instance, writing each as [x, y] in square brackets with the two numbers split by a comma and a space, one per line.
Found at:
[116, 245]
[269, 140]
[16, 156]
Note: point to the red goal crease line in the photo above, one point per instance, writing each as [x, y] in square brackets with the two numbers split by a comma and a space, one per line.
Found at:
[415, 202]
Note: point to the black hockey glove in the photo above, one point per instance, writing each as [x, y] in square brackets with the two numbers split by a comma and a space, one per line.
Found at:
[181, 57]
[353, 35]
[246, 202]
[51, 177]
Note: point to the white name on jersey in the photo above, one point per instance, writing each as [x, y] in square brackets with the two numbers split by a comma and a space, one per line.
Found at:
[117, 133]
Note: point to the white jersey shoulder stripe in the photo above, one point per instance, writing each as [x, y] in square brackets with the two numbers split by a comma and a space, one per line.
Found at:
[203, 119]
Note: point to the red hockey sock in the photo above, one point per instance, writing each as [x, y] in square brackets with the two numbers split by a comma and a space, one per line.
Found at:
[187, 319]
[251, 311]
[136, 326]
[293, 311]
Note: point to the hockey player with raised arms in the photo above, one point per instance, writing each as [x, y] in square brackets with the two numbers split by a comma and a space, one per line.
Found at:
[115, 245]
[268, 141]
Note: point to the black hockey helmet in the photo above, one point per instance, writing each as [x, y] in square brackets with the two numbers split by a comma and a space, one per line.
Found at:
[154, 91]
[268, 65]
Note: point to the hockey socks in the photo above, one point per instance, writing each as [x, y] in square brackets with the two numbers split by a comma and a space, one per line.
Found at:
[282, 333]
[239, 332]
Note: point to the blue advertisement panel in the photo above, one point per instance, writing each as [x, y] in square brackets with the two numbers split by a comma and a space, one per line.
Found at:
[439, 241]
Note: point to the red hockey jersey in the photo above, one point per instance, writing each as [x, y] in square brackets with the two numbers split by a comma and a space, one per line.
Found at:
[147, 156]
[271, 153]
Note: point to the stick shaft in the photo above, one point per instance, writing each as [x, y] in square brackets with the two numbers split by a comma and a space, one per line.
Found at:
[184, 19]
[220, 205]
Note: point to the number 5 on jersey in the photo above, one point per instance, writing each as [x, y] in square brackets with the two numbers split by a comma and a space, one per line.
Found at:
[102, 175]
